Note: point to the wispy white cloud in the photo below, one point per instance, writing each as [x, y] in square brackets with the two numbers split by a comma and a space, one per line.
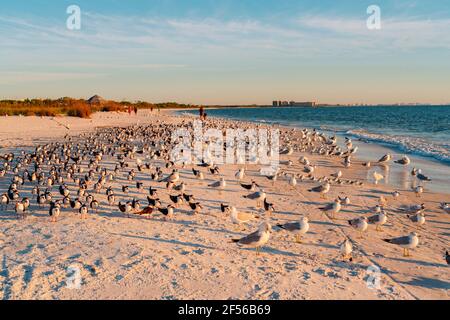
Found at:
[16, 77]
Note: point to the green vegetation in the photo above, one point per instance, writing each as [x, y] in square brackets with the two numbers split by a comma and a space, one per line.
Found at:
[75, 107]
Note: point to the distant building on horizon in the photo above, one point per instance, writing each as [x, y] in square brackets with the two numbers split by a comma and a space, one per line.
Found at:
[293, 104]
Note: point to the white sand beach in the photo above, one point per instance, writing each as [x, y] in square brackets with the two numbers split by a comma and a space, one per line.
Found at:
[192, 256]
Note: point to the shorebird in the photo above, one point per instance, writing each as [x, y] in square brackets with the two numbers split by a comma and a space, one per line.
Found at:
[252, 186]
[4, 201]
[404, 161]
[293, 181]
[167, 212]
[238, 217]
[418, 218]
[359, 224]
[268, 207]
[20, 210]
[385, 159]
[337, 174]
[346, 249]
[298, 228]
[407, 242]
[240, 174]
[377, 176]
[445, 206]
[422, 177]
[256, 239]
[395, 194]
[447, 257]
[259, 196]
[418, 191]
[221, 184]
[83, 211]
[196, 207]
[54, 211]
[322, 189]
[344, 201]
[378, 219]
[333, 207]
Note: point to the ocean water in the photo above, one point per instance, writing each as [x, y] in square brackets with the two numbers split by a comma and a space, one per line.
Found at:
[421, 132]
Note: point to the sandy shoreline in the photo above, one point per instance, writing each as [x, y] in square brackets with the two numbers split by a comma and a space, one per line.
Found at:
[191, 257]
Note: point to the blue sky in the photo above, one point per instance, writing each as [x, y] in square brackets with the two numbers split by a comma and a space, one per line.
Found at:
[227, 52]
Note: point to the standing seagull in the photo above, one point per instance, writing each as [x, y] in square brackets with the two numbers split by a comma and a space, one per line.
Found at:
[407, 242]
[359, 224]
[378, 219]
[298, 228]
[322, 189]
[333, 207]
[377, 177]
[256, 239]
[418, 218]
[259, 196]
[385, 159]
[346, 249]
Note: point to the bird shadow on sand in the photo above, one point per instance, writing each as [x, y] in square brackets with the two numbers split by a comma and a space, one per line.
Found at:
[419, 262]
[428, 283]
[273, 251]
[175, 242]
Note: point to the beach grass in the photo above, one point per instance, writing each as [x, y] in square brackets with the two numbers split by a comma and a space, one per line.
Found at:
[75, 107]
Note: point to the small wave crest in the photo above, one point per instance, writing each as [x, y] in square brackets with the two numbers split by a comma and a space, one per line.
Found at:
[415, 145]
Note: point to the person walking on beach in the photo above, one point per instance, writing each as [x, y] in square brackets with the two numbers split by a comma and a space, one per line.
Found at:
[135, 110]
[201, 111]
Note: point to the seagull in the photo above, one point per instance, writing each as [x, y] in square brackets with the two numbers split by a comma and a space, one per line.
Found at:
[422, 177]
[404, 161]
[407, 242]
[445, 206]
[377, 176]
[240, 217]
[240, 174]
[259, 196]
[346, 249]
[418, 191]
[345, 200]
[221, 184]
[386, 158]
[337, 175]
[298, 228]
[360, 224]
[395, 194]
[333, 207]
[293, 181]
[256, 239]
[418, 218]
[378, 219]
[322, 189]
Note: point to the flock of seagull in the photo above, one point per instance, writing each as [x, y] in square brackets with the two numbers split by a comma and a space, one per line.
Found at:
[82, 168]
